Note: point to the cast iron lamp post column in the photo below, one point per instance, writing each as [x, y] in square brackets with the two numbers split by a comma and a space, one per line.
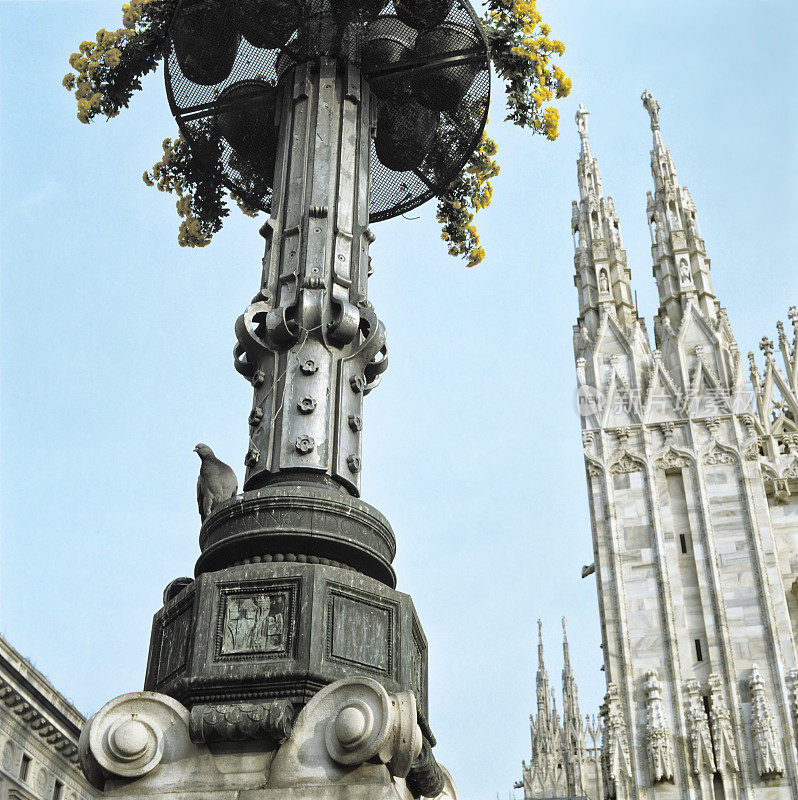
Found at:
[310, 342]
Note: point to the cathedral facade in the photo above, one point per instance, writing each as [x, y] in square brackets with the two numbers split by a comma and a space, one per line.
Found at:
[692, 477]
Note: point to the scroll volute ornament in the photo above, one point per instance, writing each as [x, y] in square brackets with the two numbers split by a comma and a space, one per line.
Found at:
[128, 736]
[352, 721]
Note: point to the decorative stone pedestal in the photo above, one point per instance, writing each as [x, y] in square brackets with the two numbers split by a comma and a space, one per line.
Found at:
[259, 633]
[352, 741]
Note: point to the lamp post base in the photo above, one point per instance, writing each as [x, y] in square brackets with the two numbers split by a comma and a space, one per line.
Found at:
[353, 741]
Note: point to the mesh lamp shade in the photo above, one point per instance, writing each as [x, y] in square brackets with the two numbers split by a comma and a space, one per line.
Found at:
[426, 62]
[422, 14]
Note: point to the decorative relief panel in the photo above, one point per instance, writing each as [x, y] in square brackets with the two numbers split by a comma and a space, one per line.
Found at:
[255, 622]
[360, 631]
[626, 464]
[672, 460]
[8, 755]
[174, 642]
[718, 455]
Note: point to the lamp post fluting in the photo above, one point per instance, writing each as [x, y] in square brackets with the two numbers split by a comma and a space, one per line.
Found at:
[310, 342]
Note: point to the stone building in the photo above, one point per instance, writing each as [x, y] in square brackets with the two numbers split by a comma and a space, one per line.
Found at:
[566, 757]
[692, 480]
[39, 733]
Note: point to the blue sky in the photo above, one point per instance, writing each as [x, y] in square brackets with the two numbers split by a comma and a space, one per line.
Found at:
[116, 353]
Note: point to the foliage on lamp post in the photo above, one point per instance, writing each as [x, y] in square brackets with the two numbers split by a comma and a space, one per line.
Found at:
[108, 70]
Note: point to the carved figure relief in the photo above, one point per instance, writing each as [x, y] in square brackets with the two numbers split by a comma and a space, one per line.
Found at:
[767, 750]
[254, 623]
[604, 283]
[625, 464]
[659, 743]
[716, 455]
[8, 755]
[700, 737]
[722, 732]
[684, 272]
[659, 222]
[671, 460]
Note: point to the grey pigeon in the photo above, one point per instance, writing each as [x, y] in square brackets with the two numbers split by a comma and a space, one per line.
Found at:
[216, 483]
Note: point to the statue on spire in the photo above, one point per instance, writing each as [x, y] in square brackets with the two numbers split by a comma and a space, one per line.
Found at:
[581, 120]
[652, 106]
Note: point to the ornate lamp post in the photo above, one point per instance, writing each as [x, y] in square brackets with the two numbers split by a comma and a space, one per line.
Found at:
[329, 114]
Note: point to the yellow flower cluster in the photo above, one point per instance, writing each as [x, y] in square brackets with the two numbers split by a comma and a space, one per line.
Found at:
[522, 53]
[98, 65]
[470, 192]
[192, 231]
[522, 50]
[90, 64]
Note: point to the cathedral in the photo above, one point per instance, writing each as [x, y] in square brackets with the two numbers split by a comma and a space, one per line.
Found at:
[692, 476]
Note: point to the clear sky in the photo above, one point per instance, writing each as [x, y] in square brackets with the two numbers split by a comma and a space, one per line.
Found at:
[116, 353]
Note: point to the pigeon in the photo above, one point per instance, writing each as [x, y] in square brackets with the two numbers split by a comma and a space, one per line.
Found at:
[216, 483]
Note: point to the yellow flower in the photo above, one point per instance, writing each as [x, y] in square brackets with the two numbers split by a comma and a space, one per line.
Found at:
[69, 81]
[112, 57]
[477, 254]
[551, 121]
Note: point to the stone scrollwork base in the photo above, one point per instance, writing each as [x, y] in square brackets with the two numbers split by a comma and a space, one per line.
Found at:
[353, 721]
[353, 739]
[128, 736]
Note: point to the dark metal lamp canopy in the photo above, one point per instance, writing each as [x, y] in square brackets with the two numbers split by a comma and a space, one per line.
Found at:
[426, 61]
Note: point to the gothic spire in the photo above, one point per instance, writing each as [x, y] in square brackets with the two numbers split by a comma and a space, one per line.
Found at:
[602, 276]
[571, 714]
[543, 725]
[681, 266]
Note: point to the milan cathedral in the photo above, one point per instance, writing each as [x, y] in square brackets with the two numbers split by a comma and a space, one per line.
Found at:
[692, 477]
